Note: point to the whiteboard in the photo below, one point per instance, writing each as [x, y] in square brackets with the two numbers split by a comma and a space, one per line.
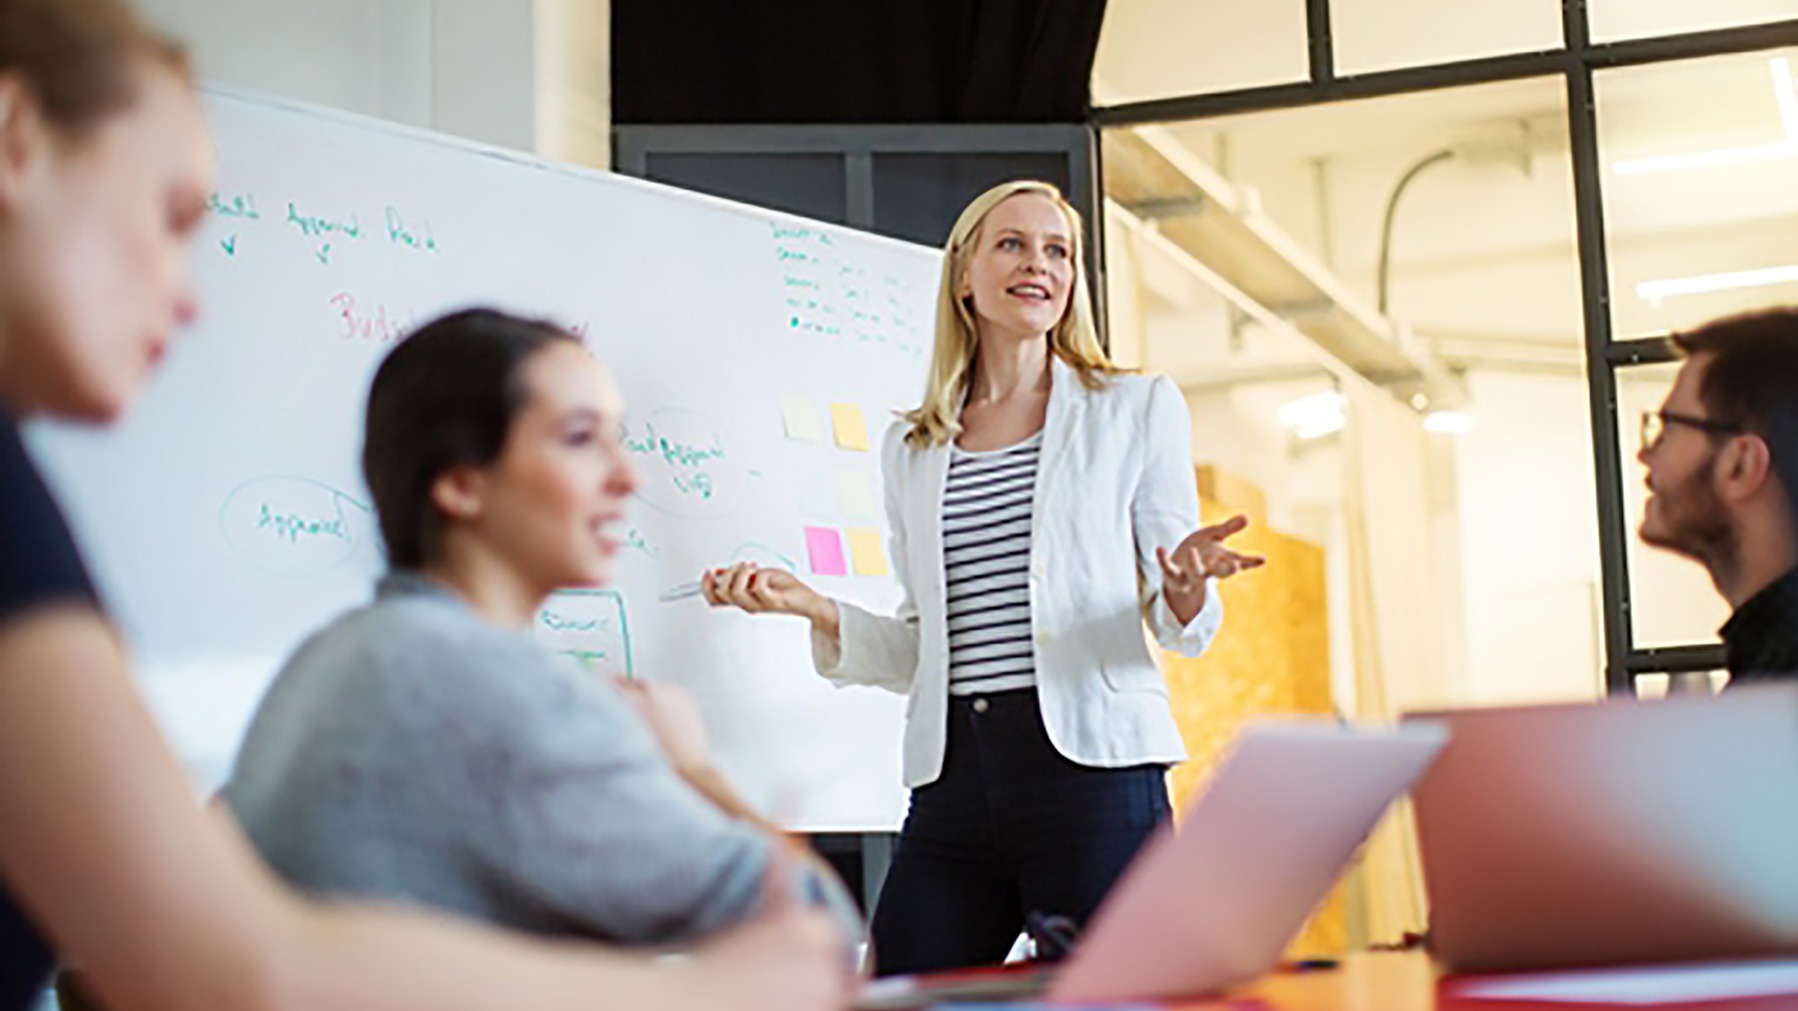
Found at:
[226, 520]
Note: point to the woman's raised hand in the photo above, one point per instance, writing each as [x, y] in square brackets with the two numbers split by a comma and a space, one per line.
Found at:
[758, 590]
[1202, 555]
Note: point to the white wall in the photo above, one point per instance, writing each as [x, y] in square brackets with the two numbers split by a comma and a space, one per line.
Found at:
[1158, 48]
[574, 81]
[532, 76]
[483, 76]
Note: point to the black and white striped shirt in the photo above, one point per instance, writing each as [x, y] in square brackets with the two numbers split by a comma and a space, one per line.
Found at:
[986, 558]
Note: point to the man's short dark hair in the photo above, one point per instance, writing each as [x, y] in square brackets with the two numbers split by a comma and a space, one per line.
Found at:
[1751, 380]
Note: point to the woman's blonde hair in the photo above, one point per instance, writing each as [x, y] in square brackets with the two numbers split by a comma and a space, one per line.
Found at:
[1074, 339]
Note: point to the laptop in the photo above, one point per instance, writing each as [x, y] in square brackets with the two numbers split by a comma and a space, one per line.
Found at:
[1216, 902]
[1620, 831]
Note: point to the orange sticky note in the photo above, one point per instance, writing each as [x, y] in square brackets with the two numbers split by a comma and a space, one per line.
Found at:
[851, 428]
[869, 558]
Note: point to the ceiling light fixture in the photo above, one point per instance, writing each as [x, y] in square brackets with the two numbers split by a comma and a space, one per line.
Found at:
[1448, 422]
[1785, 92]
[1315, 416]
[1654, 292]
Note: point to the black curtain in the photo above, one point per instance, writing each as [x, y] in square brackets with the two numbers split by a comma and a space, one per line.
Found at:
[852, 61]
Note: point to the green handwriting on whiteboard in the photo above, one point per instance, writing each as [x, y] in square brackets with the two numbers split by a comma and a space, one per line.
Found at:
[557, 622]
[697, 485]
[685, 464]
[314, 225]
[237, 205]
[673, 451]
[592, 626]
[294, 526]
[290, 527]
[634, 540]
[411, 235]
[801, 232]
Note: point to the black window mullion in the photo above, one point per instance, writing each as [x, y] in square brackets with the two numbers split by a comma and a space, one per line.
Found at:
[1601, 377]
[1322, 45]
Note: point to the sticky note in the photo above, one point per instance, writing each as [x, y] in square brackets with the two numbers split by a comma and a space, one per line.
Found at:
[855, 493]
[826, 550]
[851, 427]
[801, 419]
[864, 547]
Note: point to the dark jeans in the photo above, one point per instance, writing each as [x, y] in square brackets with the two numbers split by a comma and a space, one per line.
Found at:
[1010, 827]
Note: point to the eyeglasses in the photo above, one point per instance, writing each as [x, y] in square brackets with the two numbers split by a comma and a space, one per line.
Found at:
[1654, 425]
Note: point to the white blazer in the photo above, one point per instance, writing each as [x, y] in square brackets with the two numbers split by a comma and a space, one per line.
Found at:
[1114, 482]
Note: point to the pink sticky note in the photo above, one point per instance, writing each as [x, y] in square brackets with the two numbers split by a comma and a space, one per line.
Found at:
[825, 546]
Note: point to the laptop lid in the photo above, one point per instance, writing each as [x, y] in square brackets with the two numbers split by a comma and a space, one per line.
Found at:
[1617, 831]
[1217, 902]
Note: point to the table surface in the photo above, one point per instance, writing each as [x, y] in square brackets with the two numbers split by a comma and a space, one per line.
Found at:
[1409, 981]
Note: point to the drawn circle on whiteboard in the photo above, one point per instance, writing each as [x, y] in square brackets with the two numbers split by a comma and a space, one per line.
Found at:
[685, 463]
[293, 526]
[764, 556]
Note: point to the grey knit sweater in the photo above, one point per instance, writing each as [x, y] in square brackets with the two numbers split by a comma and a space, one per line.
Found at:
[412, 751]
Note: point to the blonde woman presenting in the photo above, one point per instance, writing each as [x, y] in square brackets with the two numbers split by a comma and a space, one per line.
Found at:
[1042, 507]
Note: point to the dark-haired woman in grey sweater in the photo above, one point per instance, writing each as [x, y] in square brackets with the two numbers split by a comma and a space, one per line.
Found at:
[424, 749]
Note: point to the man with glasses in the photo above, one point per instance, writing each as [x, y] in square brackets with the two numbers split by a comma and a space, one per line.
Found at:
[1722, 459]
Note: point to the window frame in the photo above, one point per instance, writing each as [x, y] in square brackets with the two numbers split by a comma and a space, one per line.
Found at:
[1576, 62]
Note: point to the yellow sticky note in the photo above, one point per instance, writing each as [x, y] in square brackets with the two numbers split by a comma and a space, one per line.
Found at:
[869, 558]
[801, 419]
[851, 427]
[855, 493]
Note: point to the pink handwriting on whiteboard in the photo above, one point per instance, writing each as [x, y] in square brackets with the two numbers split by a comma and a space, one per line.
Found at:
[359, 321]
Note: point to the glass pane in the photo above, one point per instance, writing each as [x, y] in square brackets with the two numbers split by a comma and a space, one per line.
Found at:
[1492, 510]
[1529, 538]
[1163, 48]
[1659, 686]
[1487, 214]
[1611, 20]
[1672, 600]
[1700, 207]
[1372, 35]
